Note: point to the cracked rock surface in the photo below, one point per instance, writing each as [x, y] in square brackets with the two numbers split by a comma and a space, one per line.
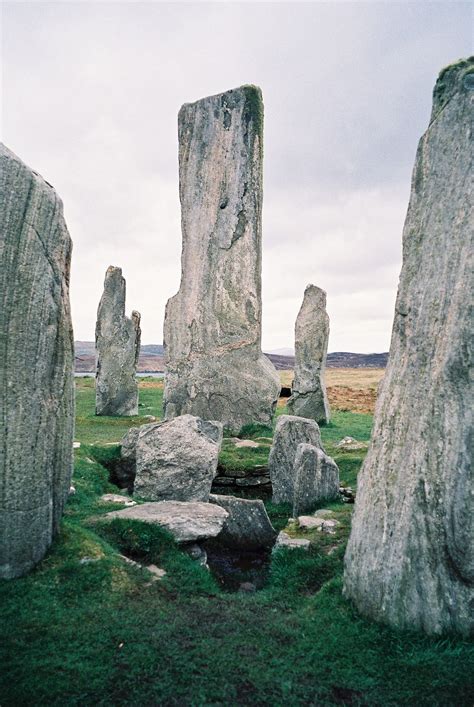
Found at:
[36, 365]
[212, 333]
[308, 392]
[410, 556]
[290, 432]
[117, 341]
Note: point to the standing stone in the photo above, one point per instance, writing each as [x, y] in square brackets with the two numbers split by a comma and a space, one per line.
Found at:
[177, 459]
[117, 342]
[212, 333]
[316, 478]
[290, 431]
[410, 561]
[36, 365]
[309, 398]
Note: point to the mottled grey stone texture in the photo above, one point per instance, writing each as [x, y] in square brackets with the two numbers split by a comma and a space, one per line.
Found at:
[309, 398]
[117, 341]
[177, 459]
[36, 365]
[317, 478]
[290, 431]
[248, 526]
[187, 522]
[410, 557]
[212, 333]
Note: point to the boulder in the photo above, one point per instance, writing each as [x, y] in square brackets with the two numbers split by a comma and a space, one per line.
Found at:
[125, 471]
[285, 541]
[290, 431]
[117, 340]
[212, 332]
[309, 398]
[317, 478]
[37, 361]
[247, 526]
[410, 557]
[177, 459]
[349, 444]
[187, 522]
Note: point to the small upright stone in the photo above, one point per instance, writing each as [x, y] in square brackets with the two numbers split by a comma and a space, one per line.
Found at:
[410, 557]
[36, 366]
[248, 526]
[309, 398]
[290, 431]
[117, 340]
[212, 333]
[317, 478]
[177, 459]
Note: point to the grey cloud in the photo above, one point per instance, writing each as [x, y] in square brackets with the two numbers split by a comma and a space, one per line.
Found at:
[90, 96]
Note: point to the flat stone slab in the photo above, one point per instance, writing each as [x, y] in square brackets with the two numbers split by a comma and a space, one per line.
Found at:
[187, 522]
[243, 443]
[323, 524]
[284, 540]
[117, 498]
[349, 444]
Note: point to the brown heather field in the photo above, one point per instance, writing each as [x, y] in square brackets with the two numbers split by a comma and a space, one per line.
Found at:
[349, 389]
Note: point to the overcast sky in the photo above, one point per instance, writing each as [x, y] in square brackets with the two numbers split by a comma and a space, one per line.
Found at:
[90, 96]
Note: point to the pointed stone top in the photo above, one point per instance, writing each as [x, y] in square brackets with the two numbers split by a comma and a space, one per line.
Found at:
[113, 270]
[316, 294]
[455, 78]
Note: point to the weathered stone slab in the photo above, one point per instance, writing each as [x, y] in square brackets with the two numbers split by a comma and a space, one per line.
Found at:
[36, 365]
[410, 561]
[290, 431]
[309, 398]
[117, 340]
[349, 444]
[285, 541]
[177, 459]
[317, 478]
[248, 526]
[187, 522]
[212, 333]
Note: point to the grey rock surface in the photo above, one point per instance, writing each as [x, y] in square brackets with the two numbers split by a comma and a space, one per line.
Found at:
[308, 392]
[349, 444]
[248, 526]
[212, 332]
[125, 471]
[286, 541]
[177, 459]
[36, 365]
[290, 431]
[410, 557]
[117, 341]
[317, 478]
[187, 522]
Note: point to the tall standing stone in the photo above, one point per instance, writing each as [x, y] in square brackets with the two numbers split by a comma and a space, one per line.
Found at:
[309, 398]
[214, 365]
[36, 365]
[117, 342]
[410, 557]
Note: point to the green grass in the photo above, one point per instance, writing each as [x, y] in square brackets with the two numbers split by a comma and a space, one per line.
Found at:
[97, 632]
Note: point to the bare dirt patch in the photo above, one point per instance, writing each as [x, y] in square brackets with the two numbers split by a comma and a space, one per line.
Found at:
[349, 389]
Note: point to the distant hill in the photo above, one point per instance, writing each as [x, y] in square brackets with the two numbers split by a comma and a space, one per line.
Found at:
[339, 359]
[152, 359]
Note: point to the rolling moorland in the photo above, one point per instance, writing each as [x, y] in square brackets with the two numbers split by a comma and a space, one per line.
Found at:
[88, 627]
[151, 359]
